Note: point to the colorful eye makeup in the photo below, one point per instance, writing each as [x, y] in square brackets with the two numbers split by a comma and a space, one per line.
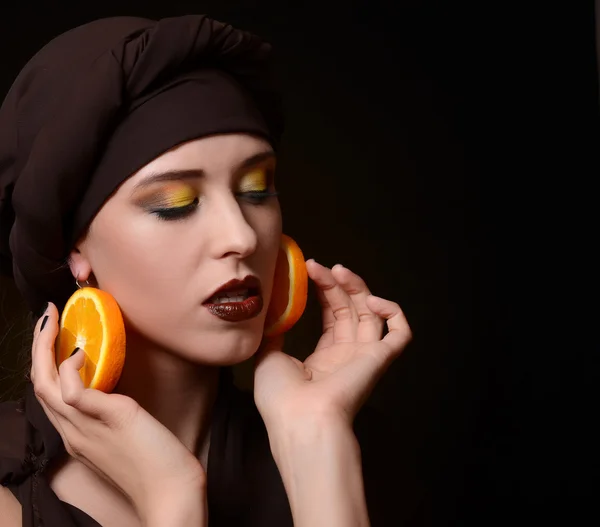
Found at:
[254, 185]
[171, 200]
[172, 196]
[176, 199]
[254, 181]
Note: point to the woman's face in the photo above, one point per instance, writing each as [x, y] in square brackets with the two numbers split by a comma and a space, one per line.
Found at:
[180, 228]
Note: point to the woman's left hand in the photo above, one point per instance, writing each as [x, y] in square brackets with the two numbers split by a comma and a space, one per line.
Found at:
[350, 357]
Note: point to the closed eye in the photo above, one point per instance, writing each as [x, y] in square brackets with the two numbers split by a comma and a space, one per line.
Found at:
[176, 213]
[256, 196]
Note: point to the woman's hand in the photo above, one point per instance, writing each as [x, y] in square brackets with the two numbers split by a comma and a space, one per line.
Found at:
[350, 357]
[115, 437]
[308, 407]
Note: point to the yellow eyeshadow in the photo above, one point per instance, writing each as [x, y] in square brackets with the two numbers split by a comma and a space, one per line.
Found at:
[254, 181]
[172, 196]
[180, 197]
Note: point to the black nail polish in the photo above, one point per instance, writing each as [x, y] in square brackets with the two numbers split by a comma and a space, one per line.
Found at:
[74, 351]
[44, 323]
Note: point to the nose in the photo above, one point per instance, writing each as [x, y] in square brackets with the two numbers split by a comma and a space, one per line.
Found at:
[232, 234]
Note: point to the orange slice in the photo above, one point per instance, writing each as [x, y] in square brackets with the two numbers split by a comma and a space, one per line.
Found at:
[92, 321]
[290, 289]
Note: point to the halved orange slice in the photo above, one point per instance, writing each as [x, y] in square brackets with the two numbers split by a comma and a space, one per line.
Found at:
[290, 289]
[92, 321]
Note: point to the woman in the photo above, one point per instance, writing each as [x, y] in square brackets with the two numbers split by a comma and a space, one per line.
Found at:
[139, 156]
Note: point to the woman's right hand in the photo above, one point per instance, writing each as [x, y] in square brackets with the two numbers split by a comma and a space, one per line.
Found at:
[117, 438]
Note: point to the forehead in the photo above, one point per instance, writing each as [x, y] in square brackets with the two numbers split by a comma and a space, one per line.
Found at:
[217, 154]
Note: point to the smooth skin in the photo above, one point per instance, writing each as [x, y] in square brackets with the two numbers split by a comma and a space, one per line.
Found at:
[116, 469]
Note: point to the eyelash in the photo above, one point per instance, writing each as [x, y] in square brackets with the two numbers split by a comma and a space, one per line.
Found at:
[179, 213]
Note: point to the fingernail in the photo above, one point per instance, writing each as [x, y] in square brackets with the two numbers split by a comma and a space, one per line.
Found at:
[44, 323]
[74, 351]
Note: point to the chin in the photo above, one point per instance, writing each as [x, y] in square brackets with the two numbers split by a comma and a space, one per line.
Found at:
[225, 348]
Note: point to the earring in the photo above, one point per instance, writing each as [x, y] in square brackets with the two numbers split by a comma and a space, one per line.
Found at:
[87, 282]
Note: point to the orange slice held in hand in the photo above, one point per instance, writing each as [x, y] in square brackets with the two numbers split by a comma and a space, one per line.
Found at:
[290, 289]
[92, 321]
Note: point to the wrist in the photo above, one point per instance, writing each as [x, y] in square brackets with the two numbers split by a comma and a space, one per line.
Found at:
[175, 505]
[177, 512]
[321, 469]
[303, 437]
[173, 514]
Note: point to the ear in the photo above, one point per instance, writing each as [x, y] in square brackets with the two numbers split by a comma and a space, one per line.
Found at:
[80, 266]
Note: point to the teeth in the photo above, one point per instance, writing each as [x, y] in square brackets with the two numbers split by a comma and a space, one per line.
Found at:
[227, 300]
[227, 297]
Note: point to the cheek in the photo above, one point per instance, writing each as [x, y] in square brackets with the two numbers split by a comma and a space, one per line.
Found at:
[119, 250]
[149, 277]
[140, 263]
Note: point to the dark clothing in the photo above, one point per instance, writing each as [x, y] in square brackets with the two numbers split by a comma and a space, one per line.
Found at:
[244, 485]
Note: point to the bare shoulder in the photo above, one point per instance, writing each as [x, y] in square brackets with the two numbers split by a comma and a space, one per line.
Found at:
[11, 509]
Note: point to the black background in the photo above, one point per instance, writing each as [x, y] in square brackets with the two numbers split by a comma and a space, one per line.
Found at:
[445, 151]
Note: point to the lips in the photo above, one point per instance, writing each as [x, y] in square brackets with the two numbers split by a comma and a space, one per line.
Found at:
[250, 284]
[236, 300]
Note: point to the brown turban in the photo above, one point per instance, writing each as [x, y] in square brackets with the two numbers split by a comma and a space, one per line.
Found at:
[98, 103]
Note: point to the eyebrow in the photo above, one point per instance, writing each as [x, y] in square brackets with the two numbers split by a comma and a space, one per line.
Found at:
[196, 173]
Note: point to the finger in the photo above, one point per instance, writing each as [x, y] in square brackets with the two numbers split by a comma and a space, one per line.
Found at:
[327, 313]
[93, 403]
[71, 384]
[326, 339]
[41, 322]
[42, 327]
[39, 325]
[399, 334]
[337, 301]
[43, 363]
[370, 325]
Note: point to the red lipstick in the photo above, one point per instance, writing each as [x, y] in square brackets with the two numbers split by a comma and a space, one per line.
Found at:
[236, 300]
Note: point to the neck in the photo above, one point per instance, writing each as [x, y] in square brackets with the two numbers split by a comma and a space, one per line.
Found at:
[177, 393]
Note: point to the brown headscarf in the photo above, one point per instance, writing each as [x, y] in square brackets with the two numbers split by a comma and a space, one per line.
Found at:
[98, 103]
[91, 108]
